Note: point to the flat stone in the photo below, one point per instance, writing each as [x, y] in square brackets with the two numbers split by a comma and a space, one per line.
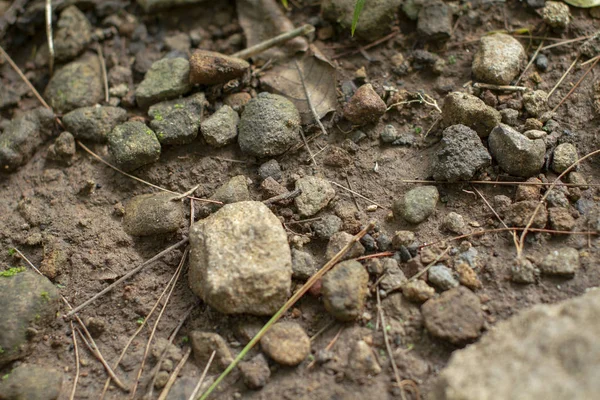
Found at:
[365, 106]
[177, 121]
[465, 109]
[221, 128]
[271, 169]
[240, 260]
[133, 145]
[563, 262]
[499, 59]
[210, 68]
[166, 79]
[94, 123]
[203, 345]
[286, 343]
[515, 153]
[560, 219]
[519, 213]
[316, 195]
[417, 204]
[344, 290]
[31, 382]
[461, 155]
[442, 277]
[152, 214]
[327, 226]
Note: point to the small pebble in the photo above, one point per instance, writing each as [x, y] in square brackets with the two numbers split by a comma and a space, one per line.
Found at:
[286, 343]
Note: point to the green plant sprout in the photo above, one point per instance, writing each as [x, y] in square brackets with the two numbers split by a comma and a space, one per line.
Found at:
[11, 272]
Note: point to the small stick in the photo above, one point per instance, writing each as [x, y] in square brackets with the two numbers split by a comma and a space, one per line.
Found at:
[309, 101]
[506, 88]
[328, 347]
[186, 194]
[72, 396]
[323, 329]
[507, 183]
[103, 68]
[276, 41]
[376, 255]
[173, 377]
[577, 84]
[49, 36]
[590, 60]
[310, 153]
[304, 220]
[437, 121]
[353, 196]
[537, 51]
[562, 78]
[229, 160]
[386, 339]
[201, 380]
[359, 195]
[514, 235]
[367, 47]
[126, 276]
[285, 196]
[551, 46]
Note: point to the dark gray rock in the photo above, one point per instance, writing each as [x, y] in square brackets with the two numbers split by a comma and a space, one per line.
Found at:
[221, 128]
[435, 21]
[499, 59]
[177, 121]
[152, 214]
[394, 276]
[168, 78]
[316, 194]
[541, 62]
[286, 343]
[327, 226]
[270, 169]
[468, 110]
[442, 277]
[133, 145]
[269, 126]
[417, 204]
[72, 35]
[31, 382]
[94, 123]
[303, 265]
[509, 116]
[461, 155]
[515, 153]
[345, 289]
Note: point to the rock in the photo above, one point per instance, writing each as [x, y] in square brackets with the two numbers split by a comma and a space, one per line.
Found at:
[418, 291]
[177, 121]
[28, 300]
[468, 110]
[389, 134]
[561, 219]
[394, 276]
[565, 154]
[180, 42]
[375, 19]
[156, 5]
[337, 157]
[541, 62]
[221, 128]
[270, 169]
[591, 47]
[316, 195]
[365, 106]
[286, 343]
[256, 372]
[327, 226]
[455, 316]
[31, 382]
[535, 102]
[303, 265]
[75, 85]
[441, 277]
[461, 155]
[499, 59]
[166, 79]
[344, 290]
[94, 123]
[133, 145]
[577, 178]
[240, 260]
[269, 126]
[63, 148]
[454, 223]
[237, 101]
[468, 277]
[22, 137]
[72, 35]
[272, 188]
[403, 238]
[362, 361]
[515, 153]
[523, 271]
[338, 241]
[435, 21]
[152, 214]
[563, 262]
[519, 213]
[509, 116]
[210, 68]
[560, 340]
[556, 15]
[162, 377]
[417, 204]
[528, 192]
[203, 345]
[535, 134]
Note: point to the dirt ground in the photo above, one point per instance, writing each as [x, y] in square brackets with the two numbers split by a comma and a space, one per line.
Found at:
[46, 204]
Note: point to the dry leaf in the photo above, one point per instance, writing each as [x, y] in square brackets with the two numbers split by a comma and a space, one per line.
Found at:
[320, 80]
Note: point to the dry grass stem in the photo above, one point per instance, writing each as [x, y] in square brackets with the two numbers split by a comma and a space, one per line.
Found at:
[359, 195]
[173, 377]
[562, 78]
[49, 36]
[328, 347]
[276, 41]
[103, 68]
[386, 339]
[505, 88]
[201, 380]
[537, 51]
[576, 85]
[310, 105]
[506, 183]
[76, 348]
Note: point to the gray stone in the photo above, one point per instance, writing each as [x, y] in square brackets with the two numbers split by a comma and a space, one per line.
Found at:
[560, 340]
[556, 15]
[286, 343]
[499, 59]
[177, 121]
[327, 226]
[23, 136]
[63, 149]
[316, 195]
[166, 79]
[156, 5]
[563, 262]
[454, 316]
[560, 219]
[31, 382]
[519, 213]
[269, 126]
[338, 241]
[417, 204]
[365, 106]
[240, 260]
[28, 300]
[221, 128]
[591, 47]
[515, 153]
[394, 276]
[180, 42]
[303, 265]
[235, 190]
[133, 145]
[509, 116]
[210, 68]
[442, 277]
[94, 123]
[270, 169]
[72, 35]
[389, 134]
[557, 197]
[535, 134]
[468, 110]
[565, 154]
[203, 345]
[345, 289]
[256, 372]
[523, 271]
[75, 85]
[362, 361]
[152, 214]
[454, 223]
[535, 102]
[461, 155]
[435, 21]
[417, 291]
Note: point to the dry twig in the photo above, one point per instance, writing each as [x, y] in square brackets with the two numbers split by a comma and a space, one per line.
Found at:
[310, 105]
[49, 36]
[103, 68]
[359, 195]
[562, 78]
[72, 396]
[173, 377]
[276, 41]
[201, 380]
[576, 85]
[386, 339]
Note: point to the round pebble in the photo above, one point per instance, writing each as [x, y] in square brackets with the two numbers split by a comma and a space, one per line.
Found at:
[286, 343]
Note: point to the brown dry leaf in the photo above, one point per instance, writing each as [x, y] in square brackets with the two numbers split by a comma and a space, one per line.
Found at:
[264, 19]
[319, 77]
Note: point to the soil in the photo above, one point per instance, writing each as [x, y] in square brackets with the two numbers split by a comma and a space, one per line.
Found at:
[47, 204]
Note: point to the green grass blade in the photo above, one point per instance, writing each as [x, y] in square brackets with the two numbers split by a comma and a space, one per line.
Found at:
[285, 3]
[357, 10]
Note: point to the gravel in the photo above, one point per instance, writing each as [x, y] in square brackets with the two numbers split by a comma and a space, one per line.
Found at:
[468, 110]
[442, 277]
[177, 121]
[565, 154]
[166, 79]
[94, 123]
[286, 343]
[417, 204]
[515, 153]
[365, 106]
[316, 195]
[562, 262]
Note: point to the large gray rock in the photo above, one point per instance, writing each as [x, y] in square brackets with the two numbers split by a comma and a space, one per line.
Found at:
[547, 352]
[499, 59]
[269, 126]
[31, 382]
[73, 34]
[345, 289]
[94, 123]
[461, 155]
[27, 300]
[166, 79]
[417, 204]
[240, 260]
[133, 145]
[471, 111]
[316, 194]
[151, 214]
[177, 121]
[515, 153]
